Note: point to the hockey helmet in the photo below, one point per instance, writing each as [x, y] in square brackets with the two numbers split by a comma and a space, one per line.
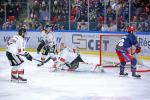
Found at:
[22, 31]
[48, 27]
[131, 28]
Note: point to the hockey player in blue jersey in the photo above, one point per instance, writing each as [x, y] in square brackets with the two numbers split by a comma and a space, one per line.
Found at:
[123, 51]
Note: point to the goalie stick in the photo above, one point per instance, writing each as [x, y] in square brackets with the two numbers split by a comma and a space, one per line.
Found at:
[95, 66]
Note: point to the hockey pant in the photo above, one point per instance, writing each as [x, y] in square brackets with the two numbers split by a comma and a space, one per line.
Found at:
[74, 64]
[126, 57]
[48, 49]
[16, 62]
[40, 46]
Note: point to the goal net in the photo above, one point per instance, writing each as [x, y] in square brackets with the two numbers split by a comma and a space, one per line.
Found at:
[107, 51]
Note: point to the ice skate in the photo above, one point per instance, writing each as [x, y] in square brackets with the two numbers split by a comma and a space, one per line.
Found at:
[14, 78]
[20, 76]
[71, 70]
[21, 79]
[14, 75]
[123, 74]
[136, 75]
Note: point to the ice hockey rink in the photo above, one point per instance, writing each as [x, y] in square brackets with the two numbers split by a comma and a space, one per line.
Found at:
[62, 85]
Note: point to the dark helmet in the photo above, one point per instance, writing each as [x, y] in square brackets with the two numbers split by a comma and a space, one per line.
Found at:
[48, 27]
[22, 31]
[131, 29]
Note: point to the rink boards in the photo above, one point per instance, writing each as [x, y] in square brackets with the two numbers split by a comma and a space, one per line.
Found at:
[88, 42]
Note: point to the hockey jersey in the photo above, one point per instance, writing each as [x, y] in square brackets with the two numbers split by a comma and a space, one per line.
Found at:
[127, 42]
[16, 45]
[68, 54]
[49, 38]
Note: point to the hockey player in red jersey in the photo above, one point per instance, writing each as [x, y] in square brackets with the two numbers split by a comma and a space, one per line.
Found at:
[123, 51]
[15, 48]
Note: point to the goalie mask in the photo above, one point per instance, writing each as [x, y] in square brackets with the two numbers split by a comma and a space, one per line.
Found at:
[22, 32]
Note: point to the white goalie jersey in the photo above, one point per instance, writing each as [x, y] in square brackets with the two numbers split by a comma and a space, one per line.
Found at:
[68, 54]
[70, 59]
[16, 45]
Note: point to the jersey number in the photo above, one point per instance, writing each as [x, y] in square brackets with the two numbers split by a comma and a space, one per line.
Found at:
[120, 43]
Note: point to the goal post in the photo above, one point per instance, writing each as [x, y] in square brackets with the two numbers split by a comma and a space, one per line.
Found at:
[107, 51]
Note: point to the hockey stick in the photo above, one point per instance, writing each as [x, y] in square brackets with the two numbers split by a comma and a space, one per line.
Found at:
[43, 62]
[32, 58]
[37, 60]
[95, 66]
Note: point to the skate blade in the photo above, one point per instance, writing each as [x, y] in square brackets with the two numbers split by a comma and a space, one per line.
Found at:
[17, 81]
[136, 77]
[20, 81]
[123, 75]
[14, 80]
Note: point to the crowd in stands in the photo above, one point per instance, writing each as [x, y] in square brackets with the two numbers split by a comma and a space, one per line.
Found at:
[102, 15]
[12, 14]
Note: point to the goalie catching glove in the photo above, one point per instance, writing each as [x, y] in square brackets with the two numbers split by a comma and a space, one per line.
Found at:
[28, 56]
[138, 50]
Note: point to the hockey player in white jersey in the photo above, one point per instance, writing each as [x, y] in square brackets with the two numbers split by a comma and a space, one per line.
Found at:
[49, 46]
[15, 48]
[71, 58]
[44, 34]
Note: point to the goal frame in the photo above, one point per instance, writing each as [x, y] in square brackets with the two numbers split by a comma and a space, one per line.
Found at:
[101, 45]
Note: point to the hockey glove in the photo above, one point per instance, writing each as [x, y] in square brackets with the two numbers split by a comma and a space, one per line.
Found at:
[28, 56]
[138, 50]
[46, 47]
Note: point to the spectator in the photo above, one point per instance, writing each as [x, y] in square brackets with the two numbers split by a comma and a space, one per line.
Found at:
[82, 25]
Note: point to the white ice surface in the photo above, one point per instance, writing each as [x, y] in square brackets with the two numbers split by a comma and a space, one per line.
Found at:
[62, 85]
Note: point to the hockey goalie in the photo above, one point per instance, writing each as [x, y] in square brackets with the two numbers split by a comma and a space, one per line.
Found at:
[70, 59]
